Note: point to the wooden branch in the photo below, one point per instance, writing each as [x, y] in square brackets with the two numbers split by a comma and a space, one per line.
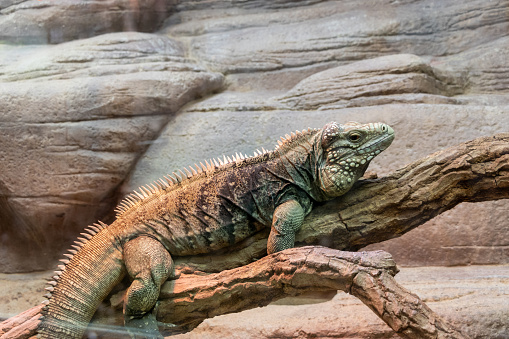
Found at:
[386, 208]
[22, 326]
[374, 211]
[369, 276]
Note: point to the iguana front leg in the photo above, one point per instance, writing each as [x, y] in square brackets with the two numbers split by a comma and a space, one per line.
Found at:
[287, 220]
[149, 264]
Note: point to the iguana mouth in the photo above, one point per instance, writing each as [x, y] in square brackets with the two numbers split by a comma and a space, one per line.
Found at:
[374, 145]
[371, 149]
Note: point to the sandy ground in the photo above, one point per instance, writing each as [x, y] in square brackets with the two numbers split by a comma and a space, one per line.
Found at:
[21, 291]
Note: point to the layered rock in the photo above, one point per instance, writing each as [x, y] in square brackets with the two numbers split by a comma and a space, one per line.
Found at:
[403, 78]
[74, 120]
[483, 67]
[49, 21]
[271, 37]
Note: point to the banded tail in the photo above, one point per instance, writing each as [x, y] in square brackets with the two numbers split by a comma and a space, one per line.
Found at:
[85, 279]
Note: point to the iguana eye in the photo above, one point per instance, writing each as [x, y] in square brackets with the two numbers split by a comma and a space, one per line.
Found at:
[354, 137]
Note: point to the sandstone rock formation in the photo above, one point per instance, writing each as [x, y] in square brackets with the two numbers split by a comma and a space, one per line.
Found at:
[75, 118]
[281, 35]
[47, 21]
[402, 78]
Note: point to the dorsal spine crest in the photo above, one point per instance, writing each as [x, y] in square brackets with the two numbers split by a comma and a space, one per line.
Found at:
[170, 182]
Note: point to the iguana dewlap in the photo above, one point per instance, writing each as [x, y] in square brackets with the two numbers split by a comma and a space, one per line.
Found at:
[213, 206]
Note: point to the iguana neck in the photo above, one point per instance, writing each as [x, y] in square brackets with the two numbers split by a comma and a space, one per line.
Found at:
[300, 157]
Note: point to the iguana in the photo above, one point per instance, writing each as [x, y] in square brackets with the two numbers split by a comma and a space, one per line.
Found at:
[202, 210]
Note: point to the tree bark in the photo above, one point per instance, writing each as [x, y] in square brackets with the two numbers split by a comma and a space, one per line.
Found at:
[373, 211]
[368, 276]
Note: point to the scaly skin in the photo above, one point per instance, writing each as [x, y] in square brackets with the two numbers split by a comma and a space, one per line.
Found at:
[215, 206]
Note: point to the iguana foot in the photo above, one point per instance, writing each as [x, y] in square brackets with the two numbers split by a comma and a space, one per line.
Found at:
[149, 265]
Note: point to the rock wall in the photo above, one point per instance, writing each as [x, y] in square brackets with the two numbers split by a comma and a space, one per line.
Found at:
[48, 21]
[75, 118]
[91, 111]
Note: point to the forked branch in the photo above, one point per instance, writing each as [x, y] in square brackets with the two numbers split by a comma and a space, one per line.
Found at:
[368, 276]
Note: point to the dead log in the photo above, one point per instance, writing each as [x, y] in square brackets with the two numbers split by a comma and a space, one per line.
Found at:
[375, 210]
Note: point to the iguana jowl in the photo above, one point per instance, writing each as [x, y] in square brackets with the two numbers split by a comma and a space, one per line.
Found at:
[214, 206]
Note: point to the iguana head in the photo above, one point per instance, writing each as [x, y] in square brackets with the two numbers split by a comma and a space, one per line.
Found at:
[346, 152]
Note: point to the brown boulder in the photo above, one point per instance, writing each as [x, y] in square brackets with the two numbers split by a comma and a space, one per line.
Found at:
[74, 120]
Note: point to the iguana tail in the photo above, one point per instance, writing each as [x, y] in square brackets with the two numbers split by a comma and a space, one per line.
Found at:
[85, 279]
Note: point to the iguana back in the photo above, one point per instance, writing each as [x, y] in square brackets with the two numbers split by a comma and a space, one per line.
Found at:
[218, 204]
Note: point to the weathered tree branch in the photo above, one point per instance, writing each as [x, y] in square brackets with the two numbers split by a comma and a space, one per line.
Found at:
[378, 210]
[367, 275]
[374, 211]
[22, 326]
